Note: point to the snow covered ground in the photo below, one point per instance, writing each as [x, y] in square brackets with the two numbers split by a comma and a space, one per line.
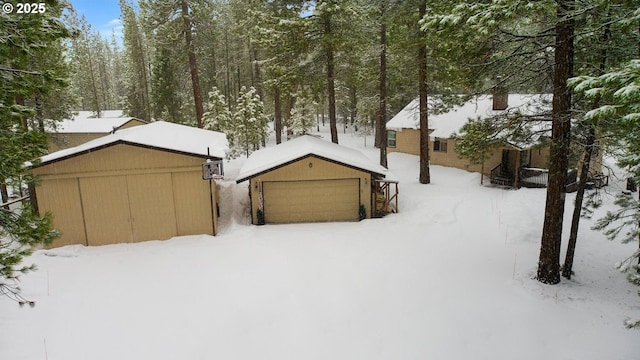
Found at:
[449, 277]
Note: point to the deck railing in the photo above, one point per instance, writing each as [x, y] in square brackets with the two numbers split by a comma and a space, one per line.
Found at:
[533, 177]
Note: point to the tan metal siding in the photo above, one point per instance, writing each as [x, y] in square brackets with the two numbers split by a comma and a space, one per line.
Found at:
[126, 193]
[192, 203]
[131, 123]
[118, 158]
[62, 199]
[60, 141]
[313, 168]
[105, 201]
[311, 201]
[152, 211]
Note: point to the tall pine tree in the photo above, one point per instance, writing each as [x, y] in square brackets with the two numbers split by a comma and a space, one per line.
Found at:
[28, 76]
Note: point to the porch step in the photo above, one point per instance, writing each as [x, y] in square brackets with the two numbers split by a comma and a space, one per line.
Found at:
[499, 180]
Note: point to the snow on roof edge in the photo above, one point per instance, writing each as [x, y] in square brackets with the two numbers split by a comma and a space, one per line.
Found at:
[267, 159]
[444, 124]
[159, 135]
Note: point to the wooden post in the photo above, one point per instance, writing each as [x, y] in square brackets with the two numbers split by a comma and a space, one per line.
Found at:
[516, 171]
[397, 209]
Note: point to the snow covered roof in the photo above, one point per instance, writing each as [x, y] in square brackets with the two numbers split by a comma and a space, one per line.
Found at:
[158, 134]
[266, 159]
[90, 125]
[448, 123]
[87, 122]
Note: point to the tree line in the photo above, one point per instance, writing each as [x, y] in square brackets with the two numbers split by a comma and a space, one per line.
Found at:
[235, 65]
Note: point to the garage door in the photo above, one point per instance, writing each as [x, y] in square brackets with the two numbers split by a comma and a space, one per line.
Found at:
[130, 208]
[105, 203]
[152, 209]
[311, 201]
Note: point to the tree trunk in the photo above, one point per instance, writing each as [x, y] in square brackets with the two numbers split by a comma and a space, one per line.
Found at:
[277, 109]
[577, 207]
[331, 91]
[214, 68]
[567, 269]
[549, 261]
[94, 87]
[4, 194]
[425, 176]
[381, 130]
[39, 113]
[144, 69]
[288, 106]
[227, 68]
[257, 75]
[353, 106]
[193, 66]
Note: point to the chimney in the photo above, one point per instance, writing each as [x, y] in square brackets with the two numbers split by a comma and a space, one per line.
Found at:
[500, 98]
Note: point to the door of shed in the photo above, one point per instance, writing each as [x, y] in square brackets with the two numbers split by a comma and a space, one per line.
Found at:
[128, 208]
[311, 200]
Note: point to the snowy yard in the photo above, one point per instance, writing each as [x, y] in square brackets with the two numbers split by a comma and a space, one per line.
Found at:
[449, 277]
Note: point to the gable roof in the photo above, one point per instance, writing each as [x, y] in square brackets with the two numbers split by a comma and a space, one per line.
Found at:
[87, 122]
[450, 122]
[91, 125]
[160, 135]
[267, 159]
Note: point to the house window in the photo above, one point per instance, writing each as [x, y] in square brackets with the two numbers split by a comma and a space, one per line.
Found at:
[440, 145]
[391, 138]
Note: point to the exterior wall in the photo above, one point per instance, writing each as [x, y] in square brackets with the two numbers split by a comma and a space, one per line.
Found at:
[120, 159]
[60, 141]
[540, 157]
[312, 168]
[452, 159]
[132, 123]
[62, 197]
[407, 141]
[126, 193]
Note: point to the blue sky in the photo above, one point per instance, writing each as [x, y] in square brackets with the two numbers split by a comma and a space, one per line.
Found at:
[103, 15]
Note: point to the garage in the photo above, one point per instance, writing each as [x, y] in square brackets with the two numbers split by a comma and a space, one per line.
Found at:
[139, 184]
[308, 179]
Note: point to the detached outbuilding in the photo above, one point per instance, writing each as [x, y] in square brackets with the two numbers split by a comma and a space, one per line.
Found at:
[138, 184]
[83, 127]
[312, 180]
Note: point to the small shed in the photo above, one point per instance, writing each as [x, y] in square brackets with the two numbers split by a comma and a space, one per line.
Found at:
[141, 183]
[310, 180]
[83, 127]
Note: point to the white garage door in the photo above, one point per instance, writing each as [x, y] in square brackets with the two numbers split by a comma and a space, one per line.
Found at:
[311, 201]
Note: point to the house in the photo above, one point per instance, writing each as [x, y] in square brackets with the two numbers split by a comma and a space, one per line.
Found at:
[312, 180]
[403, 135]
[140, 183]
[83, 127]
